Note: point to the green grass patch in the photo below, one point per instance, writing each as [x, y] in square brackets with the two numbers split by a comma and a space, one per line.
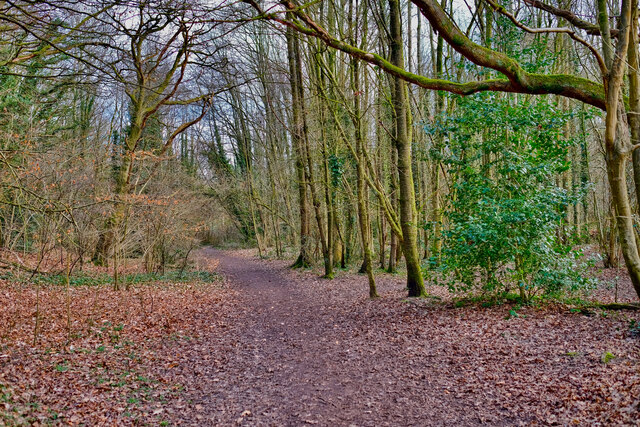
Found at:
[62, 367]
[81, 279]
[607, 357]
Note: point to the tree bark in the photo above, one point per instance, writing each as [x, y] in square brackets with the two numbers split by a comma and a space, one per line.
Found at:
[415, 281]
[362, 190]
[304, 257]
[617, 138]
[393, 239]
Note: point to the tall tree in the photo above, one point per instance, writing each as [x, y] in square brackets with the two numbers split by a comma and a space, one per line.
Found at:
[402, 142]
[297, 128]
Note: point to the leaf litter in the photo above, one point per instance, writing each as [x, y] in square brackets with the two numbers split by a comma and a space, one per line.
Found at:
[271, 346]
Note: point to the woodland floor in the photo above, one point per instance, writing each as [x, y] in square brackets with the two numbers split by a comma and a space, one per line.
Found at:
[271, 346]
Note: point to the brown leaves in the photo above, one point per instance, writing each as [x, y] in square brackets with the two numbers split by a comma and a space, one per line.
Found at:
[284, 347]
[318, 351]
[113, 365]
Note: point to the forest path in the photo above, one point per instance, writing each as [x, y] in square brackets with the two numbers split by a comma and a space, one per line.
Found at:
[293, 349]
[304, 356]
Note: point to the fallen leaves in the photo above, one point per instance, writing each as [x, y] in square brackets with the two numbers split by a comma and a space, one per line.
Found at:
[279, 347]
[104, 358]
[318, 351]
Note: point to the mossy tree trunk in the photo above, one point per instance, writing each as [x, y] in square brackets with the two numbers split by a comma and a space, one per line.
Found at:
[402, 142]
[633, 115]
[617, 136]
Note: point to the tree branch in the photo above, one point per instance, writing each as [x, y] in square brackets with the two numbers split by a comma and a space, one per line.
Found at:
[517, 81]
[564, 30]
[572, 18]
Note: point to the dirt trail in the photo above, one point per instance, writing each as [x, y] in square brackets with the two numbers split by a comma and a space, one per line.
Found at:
[304, 351]
[298, 360]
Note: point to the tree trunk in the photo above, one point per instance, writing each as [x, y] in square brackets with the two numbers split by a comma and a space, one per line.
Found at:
[415, 282]
[393, 239]
[363, 211]
[304, 257]
[107, 237]
[617, 139]
[618, 186]
[309, 172]
[436, 210]
[634, 99]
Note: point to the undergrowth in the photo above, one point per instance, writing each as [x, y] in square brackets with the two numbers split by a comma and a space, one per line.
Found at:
[515, 302]
[83, 279]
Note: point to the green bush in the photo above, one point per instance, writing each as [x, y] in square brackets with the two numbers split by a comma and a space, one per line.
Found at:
[505, 209]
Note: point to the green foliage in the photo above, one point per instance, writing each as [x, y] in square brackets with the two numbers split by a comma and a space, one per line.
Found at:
[513, 313]
[533, 54]
[336, 169]
[607, 357]
[505, 208]
[62, 367]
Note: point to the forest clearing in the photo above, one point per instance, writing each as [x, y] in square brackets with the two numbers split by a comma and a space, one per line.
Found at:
[341, 212]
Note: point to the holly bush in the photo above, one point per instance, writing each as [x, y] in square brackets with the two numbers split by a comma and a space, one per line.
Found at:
[504, 207]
